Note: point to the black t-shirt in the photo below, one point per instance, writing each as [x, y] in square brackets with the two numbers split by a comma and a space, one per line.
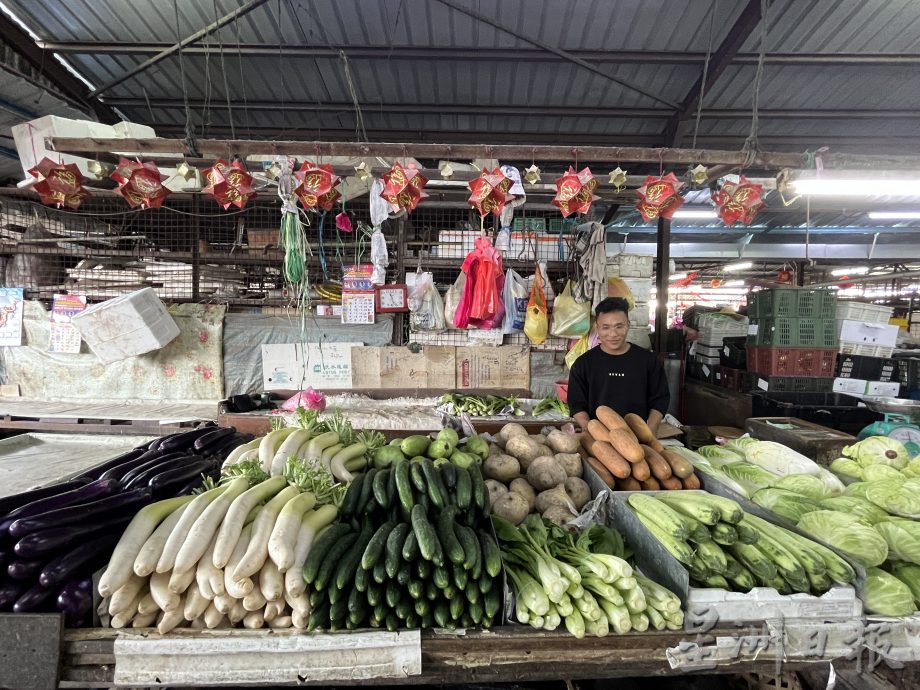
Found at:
[631, 382]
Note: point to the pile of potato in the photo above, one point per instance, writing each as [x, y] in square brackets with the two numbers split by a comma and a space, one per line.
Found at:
[626, 455]
[535, 474]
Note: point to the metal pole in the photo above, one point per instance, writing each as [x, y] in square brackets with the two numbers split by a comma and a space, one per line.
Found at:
[661, 283]
[800, 273]
[196, 252]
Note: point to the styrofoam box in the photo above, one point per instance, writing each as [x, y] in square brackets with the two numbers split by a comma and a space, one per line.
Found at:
[854, 386]
[639, 315]
[126, 326]
[878, 334]
[641, 288]
[641, 336]
[883, 389]
[630, 265]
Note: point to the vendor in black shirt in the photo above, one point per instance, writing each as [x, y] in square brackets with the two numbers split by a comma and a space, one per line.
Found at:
[616, 373]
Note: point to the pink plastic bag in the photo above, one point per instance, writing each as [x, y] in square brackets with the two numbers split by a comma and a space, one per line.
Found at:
[310, 398]
[482, 296]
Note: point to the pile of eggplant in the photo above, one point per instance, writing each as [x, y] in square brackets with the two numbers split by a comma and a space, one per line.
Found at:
[54, 538]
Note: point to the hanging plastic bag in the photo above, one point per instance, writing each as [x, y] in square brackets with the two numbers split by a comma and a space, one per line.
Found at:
[515, 297]
[426, 309]
[577, 350]
[494, 321]
[617, 287]
[571, 319]
[380, 258]
[536, 322]
[452, 299]
[379, 207]
[484, 267]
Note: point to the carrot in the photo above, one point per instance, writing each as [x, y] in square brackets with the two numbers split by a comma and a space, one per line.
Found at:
[643, 432]
[672, 484]
[602, 471]
[626, 444]
[680, 466]
[610, 418]
[650, 484]
[691, 483]
[597, 431]
[641, 471]
[628, 484]
[610, 459]
[657, 464]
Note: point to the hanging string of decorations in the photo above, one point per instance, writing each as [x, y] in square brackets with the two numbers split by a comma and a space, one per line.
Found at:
[489, 192]
[403, 187]
[229, 183]
[59, 184]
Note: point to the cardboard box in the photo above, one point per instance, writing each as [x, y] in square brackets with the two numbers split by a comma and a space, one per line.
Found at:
[295, 366]
[883, 389]
[854, 386]
[399, 367]
[877, 334]
[507, 366]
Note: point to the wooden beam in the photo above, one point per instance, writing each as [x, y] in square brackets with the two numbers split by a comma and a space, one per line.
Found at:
[721, 59]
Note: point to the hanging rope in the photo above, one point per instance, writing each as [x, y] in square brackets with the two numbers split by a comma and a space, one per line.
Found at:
[699, 105]
[223, 70]
[190, 144]
[360, 132]
[751, 145]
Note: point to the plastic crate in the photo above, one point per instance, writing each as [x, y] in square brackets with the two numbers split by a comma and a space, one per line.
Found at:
[792, 303]
[789, 384]
[865, 350]
[833, 410]
[867, 313]
[868, 368]
[909, 372]
[733, 379]
[734, 353]
[801, 332]
[792, 361]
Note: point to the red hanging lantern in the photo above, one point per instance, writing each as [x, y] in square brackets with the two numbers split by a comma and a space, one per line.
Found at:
[403, 187]
[575, 192]
[660, 197]
[739, 201]
[140, 183]
[489, 192]
[59, 184]
[317, 186]
[229, 184]
[784, 276]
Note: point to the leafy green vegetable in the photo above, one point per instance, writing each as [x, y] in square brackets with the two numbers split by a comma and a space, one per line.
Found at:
[805, 485]
[903, 537]
[787, 504]
[552, 404]
[878, 473]
[719, 455]
[847, 468]
[879, 450]
[751, 477]
[909, 574]
[855, 505]
[900, 498]
[886, 595]
[778, 459]
[847, 533]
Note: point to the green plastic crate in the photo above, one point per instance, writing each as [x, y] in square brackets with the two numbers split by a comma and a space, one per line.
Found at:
[804, 332]
[793, 303]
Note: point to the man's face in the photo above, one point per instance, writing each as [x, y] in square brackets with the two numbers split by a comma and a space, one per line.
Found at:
[612, 328]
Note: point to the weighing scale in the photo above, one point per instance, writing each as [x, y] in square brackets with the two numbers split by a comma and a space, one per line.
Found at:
[900, 423]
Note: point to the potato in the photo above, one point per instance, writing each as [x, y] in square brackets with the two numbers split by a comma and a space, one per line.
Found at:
[578, 492]
[551, 497]
[511, 506]
[571, 463]
[559, 515]
[521, 486]
[538, 438]
[543, 449]
[504, 468]
[562, 442]
[510, 430]
[545, 473]
[522, 448]
[496, 490]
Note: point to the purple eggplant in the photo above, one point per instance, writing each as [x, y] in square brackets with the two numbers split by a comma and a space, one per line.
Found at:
[96, 472]
[25, 570]
[75, 600]
[185, 440]
[79, 562]
[9, 503]
[83, 494]
[224, 446]
[124, 503]
[47, 542]
[9, 593]
[205, 441]
[169, 480]
[36, 599]
[121, 470]
[129, 477]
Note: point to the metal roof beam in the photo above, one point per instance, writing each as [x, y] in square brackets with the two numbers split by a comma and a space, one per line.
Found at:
[517, 109]
[46, 64]
[565, 55]
[485, 54]
[194, 38]
[740, 31]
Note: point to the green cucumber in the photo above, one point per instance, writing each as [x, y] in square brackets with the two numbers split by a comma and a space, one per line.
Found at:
[423, 569]
[403, 487]
[422, 606]
[381, 496]
[492, 603]
[442, 614]
[452, 546]
[418, 476]
[472, 554]
[351, 563]
[428, 543]
[332, 559]
[404, 574]
[441, 577]
[351, 497]
[362, 579]
[427, 620]
[491, 555]
[403, 608]
[476, 611]
[416, 589]
[448, 475]
[356, 601]
[393, 593]
[380, 572]
[394, 545]
[375, 545]
[464, 489]
[436, 491]
[412, 621]
[392, 622]
[338, 611]
[323, 544]
[319, 616]
[410, 549]
[485, 583]
[480, 495]
[461, 578]
[367, 491]
[375, 594]
[456, 608]
[431, 592]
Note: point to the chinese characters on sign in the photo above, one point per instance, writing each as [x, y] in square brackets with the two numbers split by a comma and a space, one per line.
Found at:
[64, 335]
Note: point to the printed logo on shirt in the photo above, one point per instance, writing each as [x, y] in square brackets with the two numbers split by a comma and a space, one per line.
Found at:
[617, 373]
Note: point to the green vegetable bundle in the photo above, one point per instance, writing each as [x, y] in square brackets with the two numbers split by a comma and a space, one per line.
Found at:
[551, 404]
[445, 447]
[583, 582]
[722, 546]
[481, 405]
[412, 550]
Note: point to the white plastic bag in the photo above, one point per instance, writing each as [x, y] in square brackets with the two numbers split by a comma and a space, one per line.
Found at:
[380, 258]
[380, 209]
[426, 308]
[515, 295]
[452, 299]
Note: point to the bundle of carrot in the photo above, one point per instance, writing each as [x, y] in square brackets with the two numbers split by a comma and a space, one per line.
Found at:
[626, 455]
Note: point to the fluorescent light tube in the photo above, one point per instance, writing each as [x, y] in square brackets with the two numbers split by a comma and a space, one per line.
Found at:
[857, 187]
[854, 271]
[700, 213]
[894, 215]
[740, 266]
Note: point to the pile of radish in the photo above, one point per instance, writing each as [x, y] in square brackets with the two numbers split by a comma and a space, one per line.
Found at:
[54, 538]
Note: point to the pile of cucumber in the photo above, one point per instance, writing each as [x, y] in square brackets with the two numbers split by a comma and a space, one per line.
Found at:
[413, 549]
